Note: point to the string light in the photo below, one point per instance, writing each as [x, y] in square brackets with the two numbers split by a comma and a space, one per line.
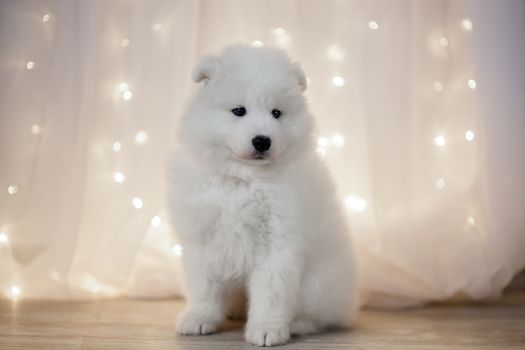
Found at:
[373, 25]
[119, 177]
[466, 24]
[12, 189]
[141, 137]
[322, 141]
[338, 81]
[470, 221]
[4, 239]
[155, 221]
[469, 135]
[46, 17]
[123, 87]
[15, 291]
[30, 65]
[335, 53]
[137, 202]
[35, 129]
[278, 32]
[356, 203]
[127, 95]
[443, 41]
[124, 42]
[439, 140]
[116, 146]
[257, 43]
[440, 183]
[177, 250]
[157, 27]
[438, 86]
[472, 84]
[338, 140]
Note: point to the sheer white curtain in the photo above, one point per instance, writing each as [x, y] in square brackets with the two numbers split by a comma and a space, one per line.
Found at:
[420, 113]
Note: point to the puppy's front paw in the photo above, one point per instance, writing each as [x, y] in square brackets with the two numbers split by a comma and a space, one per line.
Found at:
[191, 323]
[267, 334]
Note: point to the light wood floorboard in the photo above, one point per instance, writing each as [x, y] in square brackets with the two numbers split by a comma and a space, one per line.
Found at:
[145, 324]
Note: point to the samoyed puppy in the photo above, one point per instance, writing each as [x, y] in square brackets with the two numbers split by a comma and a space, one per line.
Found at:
[254, 207]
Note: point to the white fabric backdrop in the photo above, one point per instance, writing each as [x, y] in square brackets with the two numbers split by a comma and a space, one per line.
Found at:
[423, 128]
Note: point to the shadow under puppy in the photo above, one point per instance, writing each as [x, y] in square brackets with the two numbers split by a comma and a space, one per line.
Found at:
[253, 205]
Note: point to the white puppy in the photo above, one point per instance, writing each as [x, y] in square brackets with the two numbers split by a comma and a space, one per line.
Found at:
[253, 205]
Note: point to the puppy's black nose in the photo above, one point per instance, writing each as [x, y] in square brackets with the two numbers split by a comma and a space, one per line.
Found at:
[261, 143]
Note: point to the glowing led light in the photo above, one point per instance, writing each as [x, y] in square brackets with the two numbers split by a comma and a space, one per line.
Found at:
[15, 291]
[322, 142]
[466, 24]
[472, 84]
[124, 42]
[137, 202]
[117, 146]
[3, 238]
[469, 135]
[46, 17]
[278, 32]
[141, 137]
[440, 183]
[155, 221]
[36, 129]
[30, 64]
[12, 189]
[338, 81]
[438, 86]
[119, 177]
[157, 27]
[335, 53]
[356, 203]
[177, 250]
[470, 221]
[338, 140]
[257, 43]
[127, 95]
[123, 87]
[443, 41]
[373, 25]
[321, 151]
[439, 140]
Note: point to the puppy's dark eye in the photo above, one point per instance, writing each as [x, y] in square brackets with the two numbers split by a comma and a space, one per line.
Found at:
[239, 111]
[276, 113]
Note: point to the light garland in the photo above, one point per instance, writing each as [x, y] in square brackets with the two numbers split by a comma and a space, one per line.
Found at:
[141, 137]
[439, 140]
[338, 81]
[333, 53]
[4, 239]
[373, 25]
[137, 202]
[466, 24]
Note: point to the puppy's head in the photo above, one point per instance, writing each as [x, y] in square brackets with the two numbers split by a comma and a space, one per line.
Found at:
[248, 109]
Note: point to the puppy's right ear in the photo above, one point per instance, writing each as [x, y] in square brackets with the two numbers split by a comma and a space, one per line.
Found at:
[206, 69]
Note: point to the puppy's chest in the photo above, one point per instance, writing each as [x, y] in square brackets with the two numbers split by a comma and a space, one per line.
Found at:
[241, 229]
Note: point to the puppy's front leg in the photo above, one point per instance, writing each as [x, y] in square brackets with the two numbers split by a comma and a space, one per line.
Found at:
[205, 296]
[273, 291]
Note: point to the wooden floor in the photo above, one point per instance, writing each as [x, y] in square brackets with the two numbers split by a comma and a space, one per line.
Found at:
[131, 324]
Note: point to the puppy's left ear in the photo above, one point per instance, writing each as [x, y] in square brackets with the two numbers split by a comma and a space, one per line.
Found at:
[206, 69]
[301, 77]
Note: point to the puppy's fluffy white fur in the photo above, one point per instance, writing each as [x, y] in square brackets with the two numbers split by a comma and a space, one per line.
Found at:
[270, 229]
